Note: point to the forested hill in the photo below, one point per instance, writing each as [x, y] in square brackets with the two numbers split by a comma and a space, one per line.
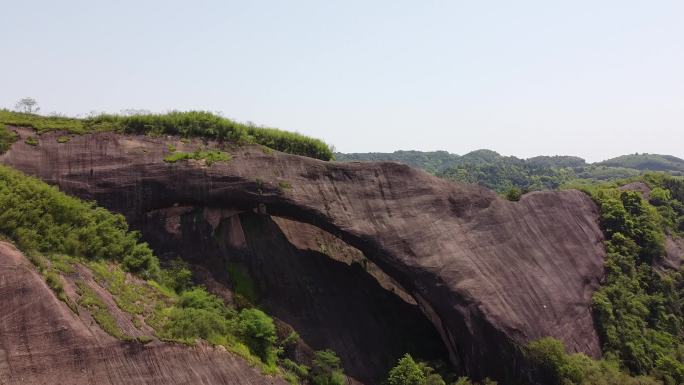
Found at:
[501, 173]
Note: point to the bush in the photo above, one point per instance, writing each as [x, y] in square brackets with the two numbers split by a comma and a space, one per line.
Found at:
[259, 333]
[177, 276]
[199, 298]
[190, 323]
[326, 369]
[560, 368]
[513, 194]
[406, 372]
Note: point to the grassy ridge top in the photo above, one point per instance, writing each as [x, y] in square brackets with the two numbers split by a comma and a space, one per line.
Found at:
[187, 124]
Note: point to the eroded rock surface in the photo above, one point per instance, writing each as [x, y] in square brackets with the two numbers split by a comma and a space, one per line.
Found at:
[491, 274]
[43, 342]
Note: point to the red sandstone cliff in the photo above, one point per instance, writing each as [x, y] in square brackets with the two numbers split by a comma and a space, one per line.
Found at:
[490, 274]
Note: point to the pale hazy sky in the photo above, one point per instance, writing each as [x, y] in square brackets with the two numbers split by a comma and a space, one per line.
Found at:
[588, 78]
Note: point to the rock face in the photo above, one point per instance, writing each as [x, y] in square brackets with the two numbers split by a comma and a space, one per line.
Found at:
[490, 274]
[43, 342]
[305, 277]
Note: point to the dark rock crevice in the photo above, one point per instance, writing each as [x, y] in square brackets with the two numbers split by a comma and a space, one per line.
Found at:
[331, 303]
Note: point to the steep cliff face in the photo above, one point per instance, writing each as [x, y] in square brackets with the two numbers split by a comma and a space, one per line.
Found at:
[43, 342]
[307, 278]
[490, 274]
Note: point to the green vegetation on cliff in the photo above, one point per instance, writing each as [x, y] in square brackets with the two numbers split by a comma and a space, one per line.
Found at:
[70, 240]
[638, 310]
[209, 157]
[186, 124]
[7, 137]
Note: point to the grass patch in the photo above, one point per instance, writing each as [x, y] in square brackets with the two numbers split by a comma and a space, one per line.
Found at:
[99, 311]
[63, 139]
[209, 157]
[62, 263]
[186, 124]
[31, 141]
[137, 298]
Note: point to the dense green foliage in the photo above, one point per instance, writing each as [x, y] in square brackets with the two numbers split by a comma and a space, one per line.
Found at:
[501, 173]
[558, 367]
[185, 124]
[504, 173]
[326, 369]
[639, 309]
[407, 371]
[40, 218]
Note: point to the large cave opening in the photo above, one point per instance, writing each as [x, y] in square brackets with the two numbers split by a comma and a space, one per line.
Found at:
[306, 278]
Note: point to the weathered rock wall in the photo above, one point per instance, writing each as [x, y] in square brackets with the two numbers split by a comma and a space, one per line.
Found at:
[43, 342]
[491, 274]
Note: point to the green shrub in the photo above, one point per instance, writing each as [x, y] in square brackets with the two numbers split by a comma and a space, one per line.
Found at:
[326, 369]
[258, 331]
[31, 141]
[301, 371]
[190, 323]
[177, 276]
[63, 139]
[561, 368]
[406, 372]
[199, 298]
[513, 194]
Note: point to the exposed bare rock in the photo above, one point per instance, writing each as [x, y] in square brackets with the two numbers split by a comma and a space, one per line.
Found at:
[640, 187]
[491, 274]
[308, 237]
[674, 248]
[43, 342]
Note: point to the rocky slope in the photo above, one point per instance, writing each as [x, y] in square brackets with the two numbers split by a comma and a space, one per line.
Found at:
[43, 342]
[489, 274]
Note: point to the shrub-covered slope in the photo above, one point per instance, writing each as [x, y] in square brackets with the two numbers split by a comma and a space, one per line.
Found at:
[103, 273]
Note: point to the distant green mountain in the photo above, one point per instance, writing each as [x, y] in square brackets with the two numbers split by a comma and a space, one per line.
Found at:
[502, 173]
[432, 161]
[652, 162]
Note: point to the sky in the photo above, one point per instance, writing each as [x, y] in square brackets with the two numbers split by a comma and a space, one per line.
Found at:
[595, 79]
